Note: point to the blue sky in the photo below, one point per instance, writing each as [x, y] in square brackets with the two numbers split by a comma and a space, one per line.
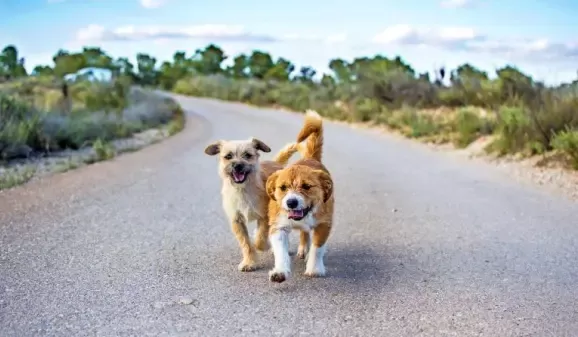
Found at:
[538, 36]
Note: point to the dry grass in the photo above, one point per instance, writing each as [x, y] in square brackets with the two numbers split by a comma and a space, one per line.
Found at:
[525, 117]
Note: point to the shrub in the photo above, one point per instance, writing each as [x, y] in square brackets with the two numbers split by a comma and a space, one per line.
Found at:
[469, 126]
[366, 109]
[103, 150]
[101, 111]
[513, 130]
[567, 142]
[13, 177]
[19, 126]
[524, 114]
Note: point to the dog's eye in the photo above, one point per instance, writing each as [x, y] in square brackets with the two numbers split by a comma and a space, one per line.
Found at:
[283, 188]
[228, 156]
[247, 155]
[306, 186]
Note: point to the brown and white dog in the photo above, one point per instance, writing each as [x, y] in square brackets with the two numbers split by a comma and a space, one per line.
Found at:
[301, 198]
[243, 191]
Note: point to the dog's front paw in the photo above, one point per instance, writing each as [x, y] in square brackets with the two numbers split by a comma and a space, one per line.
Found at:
[278, 276]
[301, 254]
[315, 272]
[247, 266]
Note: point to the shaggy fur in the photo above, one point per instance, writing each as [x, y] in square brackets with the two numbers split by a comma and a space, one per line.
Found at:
[243, 192]
[301, 198]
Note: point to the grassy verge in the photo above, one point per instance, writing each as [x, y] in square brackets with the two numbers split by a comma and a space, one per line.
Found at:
[523, 118]
[16, 177]
[37, 118]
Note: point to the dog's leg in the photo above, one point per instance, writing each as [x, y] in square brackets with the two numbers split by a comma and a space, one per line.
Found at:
[304, 242]
[315, 266]
[280, 244]
[261, 235]
[239, 227]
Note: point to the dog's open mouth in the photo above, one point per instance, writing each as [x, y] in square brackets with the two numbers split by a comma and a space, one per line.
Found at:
[239, 177]
[298, 214]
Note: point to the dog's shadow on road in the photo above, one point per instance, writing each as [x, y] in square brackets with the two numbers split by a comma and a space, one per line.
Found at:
[355, 267]
[357, 264]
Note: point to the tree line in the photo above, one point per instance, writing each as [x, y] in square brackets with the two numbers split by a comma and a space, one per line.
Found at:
[526, 113]
[258, 65]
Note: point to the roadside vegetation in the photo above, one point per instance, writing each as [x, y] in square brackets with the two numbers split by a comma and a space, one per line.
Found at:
[55, 109]
[520, 115]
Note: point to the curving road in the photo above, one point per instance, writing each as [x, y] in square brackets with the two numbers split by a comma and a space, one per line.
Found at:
[423, 245]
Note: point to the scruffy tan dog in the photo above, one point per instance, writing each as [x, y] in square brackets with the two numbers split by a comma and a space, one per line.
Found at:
[243, 192]
[301, 198]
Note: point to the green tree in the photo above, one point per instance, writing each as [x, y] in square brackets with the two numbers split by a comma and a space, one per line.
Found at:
[42, 70]
[305, 75]
[281, 71]
[170, 73]
[66, 63]
[146, 66]
[11, 65]
[239, 67]
[209, 60]
[515, 85]
[124, 67]
[468, 71]
[341, 70]
[368, 68]
[327, 81]
[259, 64]
[97, 58]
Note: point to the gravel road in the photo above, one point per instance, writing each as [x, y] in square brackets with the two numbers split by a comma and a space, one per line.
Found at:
[423, 245]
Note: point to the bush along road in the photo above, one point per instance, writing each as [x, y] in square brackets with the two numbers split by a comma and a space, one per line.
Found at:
[509, 115]
[52, 126]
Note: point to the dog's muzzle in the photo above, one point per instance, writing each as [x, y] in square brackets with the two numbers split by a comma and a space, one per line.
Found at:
[294, 209]
[239, 172]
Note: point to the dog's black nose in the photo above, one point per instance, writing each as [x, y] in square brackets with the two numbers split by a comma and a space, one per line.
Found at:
[238, 167]
[292, 203]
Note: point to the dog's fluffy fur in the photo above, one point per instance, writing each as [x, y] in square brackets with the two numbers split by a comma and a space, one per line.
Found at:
[301, 198]
[243, 191]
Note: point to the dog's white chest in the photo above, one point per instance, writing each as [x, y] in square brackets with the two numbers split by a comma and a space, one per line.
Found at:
[238, 200]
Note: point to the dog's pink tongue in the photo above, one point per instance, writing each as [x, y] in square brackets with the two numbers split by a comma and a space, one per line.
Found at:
[295, 214]
[238, 176]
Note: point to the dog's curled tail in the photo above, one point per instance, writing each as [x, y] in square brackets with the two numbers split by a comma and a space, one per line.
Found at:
[312, 131]
[285, 154]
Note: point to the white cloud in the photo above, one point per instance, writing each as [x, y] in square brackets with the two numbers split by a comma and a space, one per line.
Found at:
[457, 3]
[151, 4]
[331, 39]
[215, 32]
[97, 33]
[448, 37]
[463, 39]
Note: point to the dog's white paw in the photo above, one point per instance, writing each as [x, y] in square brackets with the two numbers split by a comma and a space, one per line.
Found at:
[315, 272]
[301, 253]
[278, 276]
[315, 266]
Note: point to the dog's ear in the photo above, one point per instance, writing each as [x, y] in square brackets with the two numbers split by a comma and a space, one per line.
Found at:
[270, 186]
[326, 184]
[213, 149]
[259, 145]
